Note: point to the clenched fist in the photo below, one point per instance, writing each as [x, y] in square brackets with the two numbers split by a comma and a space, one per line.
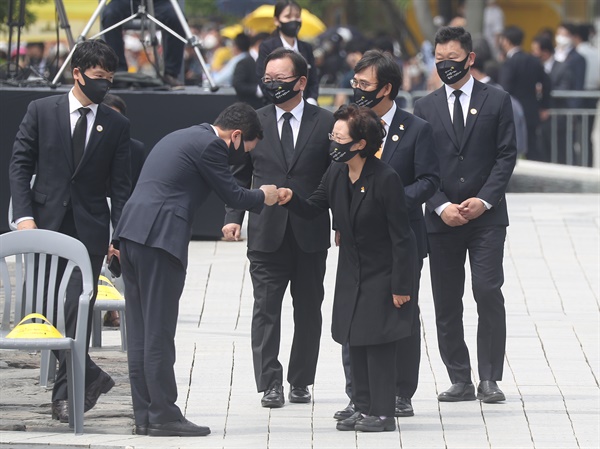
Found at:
[270, 192]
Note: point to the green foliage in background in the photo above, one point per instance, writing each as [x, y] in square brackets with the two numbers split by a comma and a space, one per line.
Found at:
[29, 16]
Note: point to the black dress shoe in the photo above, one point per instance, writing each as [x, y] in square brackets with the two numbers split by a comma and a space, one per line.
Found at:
[101, 385]
[488, 392]
[403, 407]
[299, 395]
[273, 397]
[460, 391]
[60, 410]
[140, 430]
[179, 428]
[376, 424]
[346, 413]
[350, 422]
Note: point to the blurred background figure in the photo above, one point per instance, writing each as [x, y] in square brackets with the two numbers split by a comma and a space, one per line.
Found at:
[239, 50]
[493, 24]
[354, 52]
[35, 55]
[245, 82]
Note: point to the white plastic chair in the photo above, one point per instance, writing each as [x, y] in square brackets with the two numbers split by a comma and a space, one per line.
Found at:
[25, 293]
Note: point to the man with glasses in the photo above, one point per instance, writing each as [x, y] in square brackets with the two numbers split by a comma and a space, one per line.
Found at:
[408, 147]
[284, 248]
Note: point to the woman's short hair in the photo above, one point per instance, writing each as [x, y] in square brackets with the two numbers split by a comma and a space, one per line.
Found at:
[363, 123]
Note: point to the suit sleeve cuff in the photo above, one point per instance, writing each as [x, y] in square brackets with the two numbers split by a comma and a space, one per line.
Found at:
[487, 205]
[19, 220]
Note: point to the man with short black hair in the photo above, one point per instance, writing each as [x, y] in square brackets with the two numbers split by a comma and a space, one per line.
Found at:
[154, 233]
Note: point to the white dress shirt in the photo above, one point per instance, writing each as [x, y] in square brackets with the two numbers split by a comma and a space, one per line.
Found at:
[294, 121]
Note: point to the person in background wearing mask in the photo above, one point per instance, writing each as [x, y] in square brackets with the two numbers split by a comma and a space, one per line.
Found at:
[154, 233]
[409, 148]
[245, 82]
[75, 145]
[289, 22]
[376, 266]
[520, 75]
[566, 53]
[282, 248]
[474, 135]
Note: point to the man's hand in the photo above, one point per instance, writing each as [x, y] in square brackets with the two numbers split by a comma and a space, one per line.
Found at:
[231, 232]
[26, 224]
[452, 216]
[338, 238]
[400, 299]
[270, 192]
[471, 208]
[284, 195]
[544, 115]
[113, 252]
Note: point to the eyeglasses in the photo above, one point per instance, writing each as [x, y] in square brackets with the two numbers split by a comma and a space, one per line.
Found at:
[282, 79]
[337, 138]
[363, 85]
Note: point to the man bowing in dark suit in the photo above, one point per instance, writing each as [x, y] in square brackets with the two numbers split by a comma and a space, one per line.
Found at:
[154, 233]
[409, 148]
[75, 145]
[283, 248]
[474, 135]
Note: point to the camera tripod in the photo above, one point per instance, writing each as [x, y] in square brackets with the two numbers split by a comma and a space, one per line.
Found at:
[145, 12]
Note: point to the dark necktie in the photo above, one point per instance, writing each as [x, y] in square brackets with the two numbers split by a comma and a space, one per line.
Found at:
[287, 138]
[458, 119]
[79, 134]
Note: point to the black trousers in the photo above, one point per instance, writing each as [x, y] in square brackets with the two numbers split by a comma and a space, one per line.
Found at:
[118, 10]
[485, 245]
[373, 378]
[92, 371]
[408, 354]
[154, 281]
[271, 273]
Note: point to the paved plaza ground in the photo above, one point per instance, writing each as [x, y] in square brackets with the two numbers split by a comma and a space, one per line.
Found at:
[551, 376]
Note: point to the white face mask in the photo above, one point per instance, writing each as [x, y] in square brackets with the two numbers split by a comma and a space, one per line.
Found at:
[563, 41]
[210, 41]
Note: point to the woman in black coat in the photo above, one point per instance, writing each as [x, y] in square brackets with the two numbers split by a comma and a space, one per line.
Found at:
[376, 266]
[288, 22]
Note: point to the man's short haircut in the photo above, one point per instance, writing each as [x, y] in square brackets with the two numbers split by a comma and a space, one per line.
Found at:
[240, 116]
[386, 69]
[447, 34]
[94, 53]
[363, 123]
[545, 43]
[300, 65]
[116, 102]
[570, 27]
[513, 34]
[583, 31]
[242, 42]
[258, 37]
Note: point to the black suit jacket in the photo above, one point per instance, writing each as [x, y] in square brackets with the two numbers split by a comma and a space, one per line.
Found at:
[377, 255]
[410, 150]
[179, 173]
[561, 78]
[43, 146]
[576, 64]
[138, 156]
[482, 164]
[305, 49]
[267, 165]
[245, 82]
[519, 76]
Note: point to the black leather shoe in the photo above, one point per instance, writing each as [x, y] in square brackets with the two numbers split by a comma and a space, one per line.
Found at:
[346, 413]
[488, 392]
[460, 391]
[273, 397]
[60, 410]
[179, 428]
[101, 385]
[140, 430]
[376, 424]
[403, 407]
[350, 422]
[299, 395]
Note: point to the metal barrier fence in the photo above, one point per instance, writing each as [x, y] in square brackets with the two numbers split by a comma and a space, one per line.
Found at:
[570, 129]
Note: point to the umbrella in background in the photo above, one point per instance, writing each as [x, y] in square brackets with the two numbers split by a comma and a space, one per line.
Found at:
[261, 20]
[231, 31]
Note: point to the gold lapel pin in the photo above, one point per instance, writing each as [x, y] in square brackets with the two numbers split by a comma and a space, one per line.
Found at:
[402, 127]
[362, 190]
[395, 138]
[473, 111]
[99, 128]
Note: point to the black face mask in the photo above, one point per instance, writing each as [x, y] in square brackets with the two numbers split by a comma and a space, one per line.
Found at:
[291, 28]
[279, 92]
[340, 152]
[450, 71]
[94, 89]
[237, 157]
[368, 99]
